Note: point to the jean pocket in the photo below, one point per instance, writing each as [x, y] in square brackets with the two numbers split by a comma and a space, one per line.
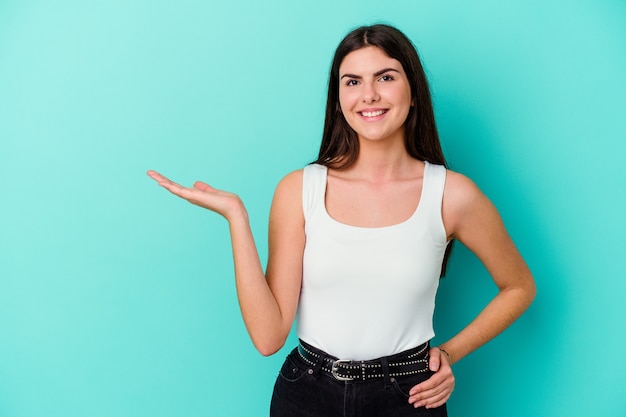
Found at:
[291, 371]
[402, 385]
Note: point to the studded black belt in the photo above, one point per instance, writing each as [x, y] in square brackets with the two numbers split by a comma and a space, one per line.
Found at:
[410, 362]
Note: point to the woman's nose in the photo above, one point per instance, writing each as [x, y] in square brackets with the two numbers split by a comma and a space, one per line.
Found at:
[370, 94]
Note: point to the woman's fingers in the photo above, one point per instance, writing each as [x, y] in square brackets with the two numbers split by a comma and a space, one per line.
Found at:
[201, 194]
[163, 181]
[435, 391]
[435, 359]
[156, 176]
[431, 398]
[202, 186]
[436, 400]
[173, 187]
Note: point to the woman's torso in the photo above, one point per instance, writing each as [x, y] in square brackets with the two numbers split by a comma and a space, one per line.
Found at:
[369, 291]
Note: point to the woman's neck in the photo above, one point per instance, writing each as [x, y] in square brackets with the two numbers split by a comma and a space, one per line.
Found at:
[379, 163]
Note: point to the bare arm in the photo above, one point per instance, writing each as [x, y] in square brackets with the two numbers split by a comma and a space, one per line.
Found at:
[474, 221]
[471, 218]
[268, 301]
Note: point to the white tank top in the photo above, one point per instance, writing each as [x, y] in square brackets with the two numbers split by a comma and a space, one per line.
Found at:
[370, 292]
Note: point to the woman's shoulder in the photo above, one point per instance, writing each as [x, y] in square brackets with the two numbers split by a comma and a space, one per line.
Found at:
[287, 202]
[460, 191]
[459, 183]
[464, 203]
[291, 182]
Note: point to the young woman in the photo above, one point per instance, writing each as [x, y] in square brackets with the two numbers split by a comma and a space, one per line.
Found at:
[357, 243]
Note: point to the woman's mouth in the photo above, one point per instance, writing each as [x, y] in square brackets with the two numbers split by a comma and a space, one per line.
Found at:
[373, 113]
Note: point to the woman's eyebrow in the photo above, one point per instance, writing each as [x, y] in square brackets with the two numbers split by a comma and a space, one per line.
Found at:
[376, 74]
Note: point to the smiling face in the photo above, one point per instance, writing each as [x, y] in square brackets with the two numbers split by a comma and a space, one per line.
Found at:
[374, 94]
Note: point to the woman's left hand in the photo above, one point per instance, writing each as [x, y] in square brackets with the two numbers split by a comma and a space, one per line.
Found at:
[435, 391]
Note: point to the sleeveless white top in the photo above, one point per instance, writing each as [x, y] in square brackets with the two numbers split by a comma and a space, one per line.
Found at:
[370, 292]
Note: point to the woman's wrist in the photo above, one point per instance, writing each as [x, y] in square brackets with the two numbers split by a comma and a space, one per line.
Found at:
[447, 355]
[236, 211]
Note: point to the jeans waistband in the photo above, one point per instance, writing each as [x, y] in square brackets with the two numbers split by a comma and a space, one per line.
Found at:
[409, 362]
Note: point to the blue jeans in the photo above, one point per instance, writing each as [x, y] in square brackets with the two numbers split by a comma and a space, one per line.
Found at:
[303, 390]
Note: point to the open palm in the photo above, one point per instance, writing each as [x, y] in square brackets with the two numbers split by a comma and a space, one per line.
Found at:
[201, 194]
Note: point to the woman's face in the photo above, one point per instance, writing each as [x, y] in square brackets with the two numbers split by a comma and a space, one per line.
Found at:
[374, 94]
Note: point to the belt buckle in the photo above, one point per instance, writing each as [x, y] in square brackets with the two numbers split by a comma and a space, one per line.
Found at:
[335, 367]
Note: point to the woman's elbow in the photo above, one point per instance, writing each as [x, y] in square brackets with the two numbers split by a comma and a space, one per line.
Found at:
[269, 347]
[528, 292]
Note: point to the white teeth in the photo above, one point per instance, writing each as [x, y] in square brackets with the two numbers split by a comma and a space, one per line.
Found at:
[372, 113]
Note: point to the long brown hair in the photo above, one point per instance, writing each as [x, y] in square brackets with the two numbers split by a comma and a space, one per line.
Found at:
[340, 145]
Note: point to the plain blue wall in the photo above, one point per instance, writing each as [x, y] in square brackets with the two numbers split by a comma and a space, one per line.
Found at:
[117, 299]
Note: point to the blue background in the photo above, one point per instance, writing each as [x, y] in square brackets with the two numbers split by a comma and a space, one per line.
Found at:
[117, 299]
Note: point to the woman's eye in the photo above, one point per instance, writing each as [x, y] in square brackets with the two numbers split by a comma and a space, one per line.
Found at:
[350, 83]
[386, 78]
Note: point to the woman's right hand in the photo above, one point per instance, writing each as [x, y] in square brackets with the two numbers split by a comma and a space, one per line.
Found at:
[203, 195]
[268, 303]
